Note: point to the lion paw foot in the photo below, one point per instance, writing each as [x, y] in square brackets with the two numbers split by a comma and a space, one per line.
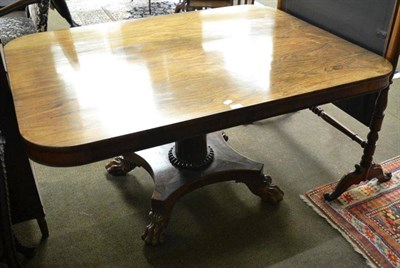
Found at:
[266, 190]
[154, 233]
[119, 166]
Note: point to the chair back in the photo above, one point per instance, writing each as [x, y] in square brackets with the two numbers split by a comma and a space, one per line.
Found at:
[372, 24]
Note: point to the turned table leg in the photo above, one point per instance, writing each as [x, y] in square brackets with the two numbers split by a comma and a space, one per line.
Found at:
[366, 170]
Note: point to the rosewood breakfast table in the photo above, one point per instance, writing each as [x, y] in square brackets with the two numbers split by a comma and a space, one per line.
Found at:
[155, 92]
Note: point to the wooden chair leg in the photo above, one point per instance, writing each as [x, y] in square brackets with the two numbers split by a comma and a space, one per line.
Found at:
[7, 241]
[43, 227]
[62, 8]
[150, 7]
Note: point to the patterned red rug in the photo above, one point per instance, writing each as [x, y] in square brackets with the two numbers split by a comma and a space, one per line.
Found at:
[367, 215]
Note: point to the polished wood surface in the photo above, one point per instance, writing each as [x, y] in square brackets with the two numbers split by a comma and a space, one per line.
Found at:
[107, 89]
[371, 28]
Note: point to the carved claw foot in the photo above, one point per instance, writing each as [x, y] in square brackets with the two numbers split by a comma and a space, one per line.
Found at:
[119, 166]
[358, 175]
[154, 233]
[265, 189]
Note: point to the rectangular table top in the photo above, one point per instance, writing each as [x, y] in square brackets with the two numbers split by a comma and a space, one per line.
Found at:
[94, 92]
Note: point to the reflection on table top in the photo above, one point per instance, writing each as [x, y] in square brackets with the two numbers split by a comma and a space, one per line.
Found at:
[94, 92]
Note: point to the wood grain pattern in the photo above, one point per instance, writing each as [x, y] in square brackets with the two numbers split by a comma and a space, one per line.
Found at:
[94, 92]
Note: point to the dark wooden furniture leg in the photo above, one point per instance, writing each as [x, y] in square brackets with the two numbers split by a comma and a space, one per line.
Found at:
[366, 170]
[6, 234]
[149, 7]
[44, 229]
[181, 6]
[188, 165]
[62, 8]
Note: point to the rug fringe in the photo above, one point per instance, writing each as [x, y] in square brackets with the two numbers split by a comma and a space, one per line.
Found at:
[309, 203]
